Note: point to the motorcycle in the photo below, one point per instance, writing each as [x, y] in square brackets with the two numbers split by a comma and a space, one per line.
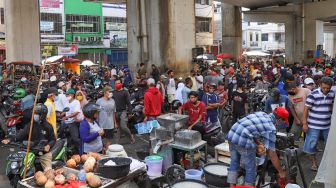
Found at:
[16, 161]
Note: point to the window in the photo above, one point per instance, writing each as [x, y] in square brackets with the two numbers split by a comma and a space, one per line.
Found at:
[262, 23]
[51, 23]
[114, 24]
[203, 2]
[277, 37]
[257, 37]
[82, 23]
[203, 24]
[2, 14]
[251, 37]
[264, 37]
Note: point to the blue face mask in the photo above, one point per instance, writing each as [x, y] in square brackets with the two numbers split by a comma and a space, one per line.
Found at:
[36, 117]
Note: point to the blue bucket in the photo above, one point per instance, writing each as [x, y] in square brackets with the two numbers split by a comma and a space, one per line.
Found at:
[193, 174]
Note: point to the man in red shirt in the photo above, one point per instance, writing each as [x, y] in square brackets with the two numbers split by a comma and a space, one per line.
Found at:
[197, 112]
[152, 101]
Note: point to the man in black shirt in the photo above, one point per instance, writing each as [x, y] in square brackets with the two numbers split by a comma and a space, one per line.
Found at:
[239, 102]
[42, 131]
[123, 105]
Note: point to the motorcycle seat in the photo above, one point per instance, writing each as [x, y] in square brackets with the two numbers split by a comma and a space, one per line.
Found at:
[57, 148]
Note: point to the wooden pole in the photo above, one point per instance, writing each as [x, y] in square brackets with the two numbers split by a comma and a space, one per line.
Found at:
[32, 119]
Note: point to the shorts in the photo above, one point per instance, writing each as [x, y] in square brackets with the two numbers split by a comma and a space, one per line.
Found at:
[312, 139]
[109, 133]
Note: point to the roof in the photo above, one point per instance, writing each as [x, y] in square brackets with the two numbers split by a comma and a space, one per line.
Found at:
[255, 4]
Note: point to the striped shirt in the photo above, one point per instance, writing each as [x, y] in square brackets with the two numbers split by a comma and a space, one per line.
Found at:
[259, 125]
[319, 116]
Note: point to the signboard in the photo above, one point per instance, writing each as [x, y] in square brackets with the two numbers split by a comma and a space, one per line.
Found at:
[47, 51]
[46, 26]
[111, 26]
[68, 50]
[118, 39]
[51, 6]
[82, 25]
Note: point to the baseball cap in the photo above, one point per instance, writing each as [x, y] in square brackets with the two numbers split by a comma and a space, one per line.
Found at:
[150, 81]
[60, 84]
[70, 91]
[282, 113]
[309, 81]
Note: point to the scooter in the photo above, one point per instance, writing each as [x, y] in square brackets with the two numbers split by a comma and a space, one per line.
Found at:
[16, 161]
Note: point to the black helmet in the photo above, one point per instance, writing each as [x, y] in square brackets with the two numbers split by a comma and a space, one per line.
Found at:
[52, 90]
[41, 110]
[193, 93]
[90, 109]
[176, 104]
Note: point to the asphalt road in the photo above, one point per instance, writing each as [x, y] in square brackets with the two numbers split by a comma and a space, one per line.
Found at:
[140, 143]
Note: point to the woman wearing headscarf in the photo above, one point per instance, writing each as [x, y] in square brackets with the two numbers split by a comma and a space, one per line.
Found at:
[178, 93]
[81, 97]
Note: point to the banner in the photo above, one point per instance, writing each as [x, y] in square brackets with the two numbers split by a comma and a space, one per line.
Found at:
[111, 26]
[118, 39]
[46, 26]
[50, 3]
[68, 50]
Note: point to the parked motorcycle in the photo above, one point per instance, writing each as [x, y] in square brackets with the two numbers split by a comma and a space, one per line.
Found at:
[16, 161]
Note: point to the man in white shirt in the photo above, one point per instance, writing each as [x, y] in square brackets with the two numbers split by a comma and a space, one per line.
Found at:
[171, 86]
[61, 101]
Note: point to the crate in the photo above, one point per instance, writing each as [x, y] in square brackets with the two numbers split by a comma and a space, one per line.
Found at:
[163, 133]
[222, 153]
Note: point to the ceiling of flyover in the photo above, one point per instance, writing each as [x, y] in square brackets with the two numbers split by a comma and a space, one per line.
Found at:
[254, 4]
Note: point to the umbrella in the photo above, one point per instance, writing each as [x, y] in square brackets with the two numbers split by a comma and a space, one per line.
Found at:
[52, 59]
[256, 53]
[87, 63]
[224, 56]
[206, 57]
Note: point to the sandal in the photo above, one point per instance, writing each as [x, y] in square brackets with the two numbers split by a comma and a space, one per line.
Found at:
[314, 168]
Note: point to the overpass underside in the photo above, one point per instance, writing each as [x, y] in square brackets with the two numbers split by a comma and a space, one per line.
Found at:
[163, 32]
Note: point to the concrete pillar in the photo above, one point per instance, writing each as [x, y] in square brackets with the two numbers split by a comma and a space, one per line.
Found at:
[231, 29]
[170, 38]
[319, 32]
[22, 31]
[334, 49]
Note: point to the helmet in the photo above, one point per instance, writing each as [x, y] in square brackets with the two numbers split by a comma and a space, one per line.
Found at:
[52, 90]
[20, 93]
[193, 93]
[281, 113]
[41, 110]
[90, 109]
[176, 104]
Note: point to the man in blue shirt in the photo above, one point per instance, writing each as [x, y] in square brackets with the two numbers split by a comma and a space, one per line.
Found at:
[211, 100]
[255, 131]
[276, 100]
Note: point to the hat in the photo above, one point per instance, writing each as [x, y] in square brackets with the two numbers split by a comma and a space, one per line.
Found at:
[282, 113]
[163, 76]
[107, 88]
[70, 91]
[150, 81]
[60, 84]
[309, 81]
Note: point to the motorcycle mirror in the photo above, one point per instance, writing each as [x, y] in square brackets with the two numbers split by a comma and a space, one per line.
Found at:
[67, 109]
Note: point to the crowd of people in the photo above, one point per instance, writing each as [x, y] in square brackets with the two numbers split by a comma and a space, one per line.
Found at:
[298, 99]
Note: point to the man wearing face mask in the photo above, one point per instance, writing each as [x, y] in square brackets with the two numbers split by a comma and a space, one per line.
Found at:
[107, 116]
[252, 135]
[123, 105]
[42, 130]
[50, 104]
[297, 96]
[70, 120]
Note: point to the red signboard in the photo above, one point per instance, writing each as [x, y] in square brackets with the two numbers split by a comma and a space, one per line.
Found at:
[50, 3]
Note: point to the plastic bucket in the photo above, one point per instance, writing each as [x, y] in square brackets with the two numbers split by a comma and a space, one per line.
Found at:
[154, 165]
[190, 183]
[292, 186]
[193, 174]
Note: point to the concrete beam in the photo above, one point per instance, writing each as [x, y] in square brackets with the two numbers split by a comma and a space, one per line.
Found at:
[231, 30]
[23, 31]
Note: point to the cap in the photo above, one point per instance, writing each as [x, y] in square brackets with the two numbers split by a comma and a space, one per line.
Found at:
[70, 91]
[107, 88]
[309, 81]
[282, 113]
[60, 84]
[150, 81]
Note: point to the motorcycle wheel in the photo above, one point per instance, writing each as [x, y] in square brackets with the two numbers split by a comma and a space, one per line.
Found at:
[15, 180]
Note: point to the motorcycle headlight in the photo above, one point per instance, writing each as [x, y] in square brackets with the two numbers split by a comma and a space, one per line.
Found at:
[14, 165]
